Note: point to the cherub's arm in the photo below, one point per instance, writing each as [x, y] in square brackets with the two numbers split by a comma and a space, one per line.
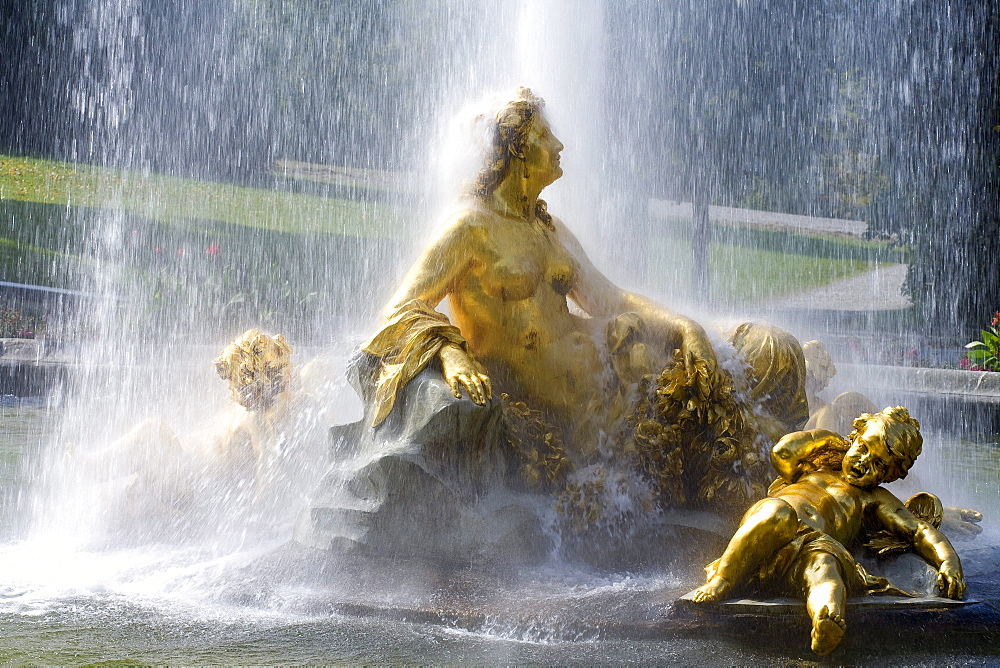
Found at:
[598, 296]
[928, 542]
[796, 453]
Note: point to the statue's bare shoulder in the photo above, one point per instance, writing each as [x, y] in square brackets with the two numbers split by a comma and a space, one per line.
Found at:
[568, 239]
[464, 227]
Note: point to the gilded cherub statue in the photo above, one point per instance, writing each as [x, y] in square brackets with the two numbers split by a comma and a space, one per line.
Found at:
[838, 415]
[829, 488]
[257, 367]
[251, 453]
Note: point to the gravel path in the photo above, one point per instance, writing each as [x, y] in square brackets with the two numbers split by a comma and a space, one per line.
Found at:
[877, 290]
[765, 220]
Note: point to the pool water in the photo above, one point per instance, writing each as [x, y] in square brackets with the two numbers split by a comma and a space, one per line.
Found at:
[254, 598]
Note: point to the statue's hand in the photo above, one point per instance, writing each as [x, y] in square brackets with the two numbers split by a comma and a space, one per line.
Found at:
[461, 371]
[950, 581]
[961, 523]
[697, 348]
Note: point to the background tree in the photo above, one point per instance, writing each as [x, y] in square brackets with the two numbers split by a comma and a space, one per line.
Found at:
[882, 111]
[718, 102]
[875, 111]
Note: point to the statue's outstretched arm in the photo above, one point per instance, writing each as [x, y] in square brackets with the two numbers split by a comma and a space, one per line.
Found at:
[928, 542]
[598, 296]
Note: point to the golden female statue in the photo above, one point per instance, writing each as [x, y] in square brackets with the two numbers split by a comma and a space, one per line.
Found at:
[509, 270]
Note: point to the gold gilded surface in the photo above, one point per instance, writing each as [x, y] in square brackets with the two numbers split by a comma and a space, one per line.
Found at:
[690, 434]
[257, 367]
[538, 444]
[837, 416]
[614, 379]
[798, 536]
[412, 337]
[164, 479]
[508, 268]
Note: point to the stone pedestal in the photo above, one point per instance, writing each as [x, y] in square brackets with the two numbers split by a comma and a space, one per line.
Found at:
[430, 481]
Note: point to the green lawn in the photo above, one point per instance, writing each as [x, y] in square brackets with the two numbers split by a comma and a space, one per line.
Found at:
[178, 201]
[53, 231]
[742, 274]
[51, 203]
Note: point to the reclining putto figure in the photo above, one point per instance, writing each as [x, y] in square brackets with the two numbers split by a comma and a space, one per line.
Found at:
[799, 536]
[248, 460]
[838, 416]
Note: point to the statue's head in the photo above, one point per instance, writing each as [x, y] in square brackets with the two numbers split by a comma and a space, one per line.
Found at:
[883, 447]
[819, 367]
[508, 138]
[258, 368]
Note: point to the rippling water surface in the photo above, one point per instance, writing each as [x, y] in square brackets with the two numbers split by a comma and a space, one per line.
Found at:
[265, 602]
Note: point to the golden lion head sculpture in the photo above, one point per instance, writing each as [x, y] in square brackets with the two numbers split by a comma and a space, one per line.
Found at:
[258, 368]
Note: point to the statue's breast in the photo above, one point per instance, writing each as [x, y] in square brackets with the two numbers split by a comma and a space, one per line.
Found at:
[563, 276]
[520, 259]
[512, 278]
[562, 269]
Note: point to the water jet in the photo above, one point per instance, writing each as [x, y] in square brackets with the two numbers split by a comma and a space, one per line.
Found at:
[194, 194]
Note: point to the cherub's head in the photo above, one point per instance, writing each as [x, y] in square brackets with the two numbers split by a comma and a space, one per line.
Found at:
[883, 447]
[819, 367]
[257, 367]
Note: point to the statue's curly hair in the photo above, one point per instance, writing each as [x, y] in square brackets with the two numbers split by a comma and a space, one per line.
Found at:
[901, 433]
[257, 367]
[508, 137]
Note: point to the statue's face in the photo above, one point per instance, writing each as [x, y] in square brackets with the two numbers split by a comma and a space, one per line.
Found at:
[541, 152]
[868, 458]
[259, 375]
[257, 389]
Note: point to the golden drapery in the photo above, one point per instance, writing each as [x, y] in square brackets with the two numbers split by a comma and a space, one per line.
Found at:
[777, 374]
[407, 342]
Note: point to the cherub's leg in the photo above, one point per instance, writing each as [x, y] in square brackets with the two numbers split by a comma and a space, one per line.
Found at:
[826, 599]
[767, 527]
